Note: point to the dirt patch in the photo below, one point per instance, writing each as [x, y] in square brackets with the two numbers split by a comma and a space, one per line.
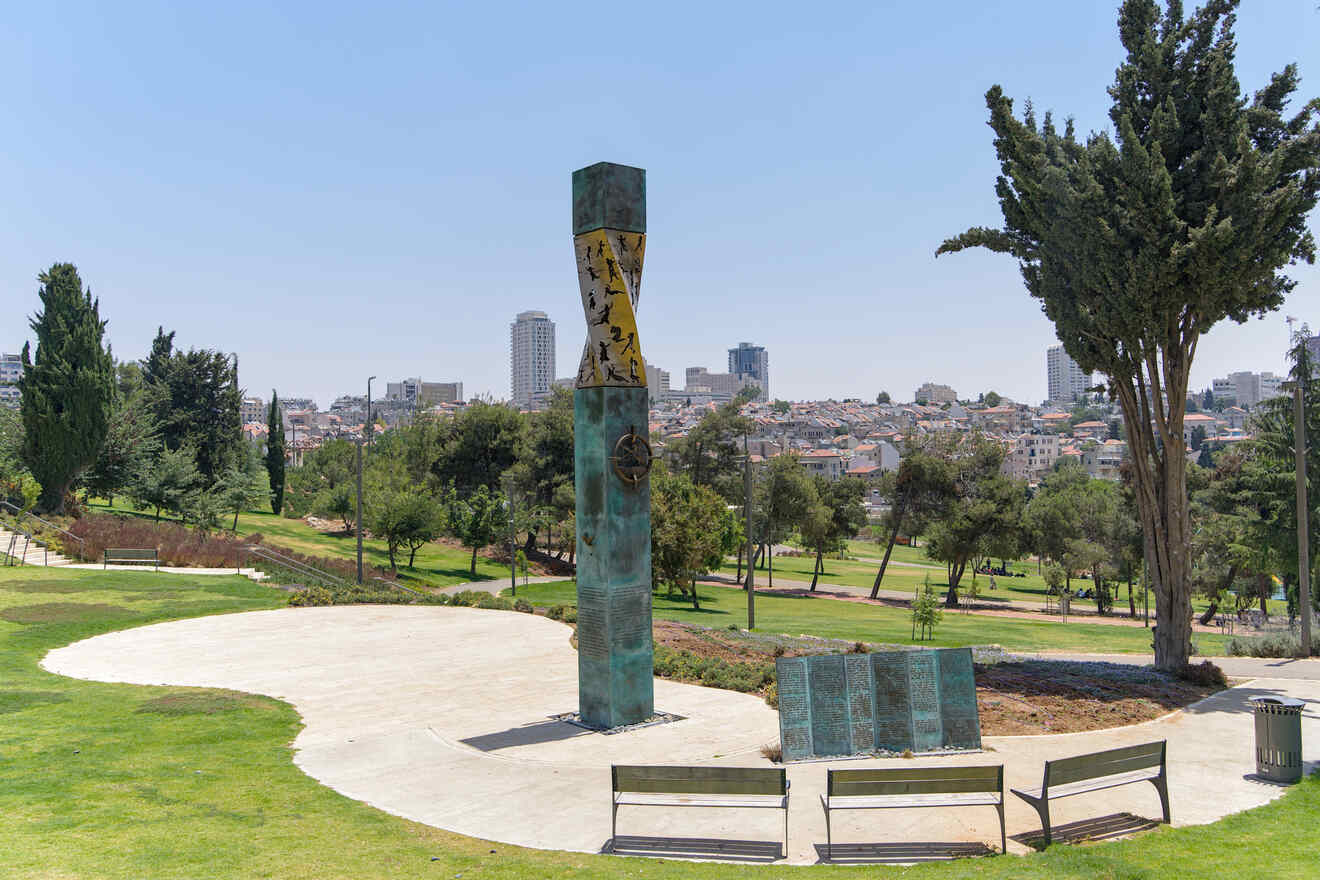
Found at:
[17, 701]
[44, 587]
[1014, 697]
[65, 612]
[206, 702]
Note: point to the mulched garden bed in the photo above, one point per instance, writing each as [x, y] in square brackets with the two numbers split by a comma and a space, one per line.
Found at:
[1015, 695]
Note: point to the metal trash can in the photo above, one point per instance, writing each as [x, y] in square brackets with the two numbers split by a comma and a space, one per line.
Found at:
[1278, 738]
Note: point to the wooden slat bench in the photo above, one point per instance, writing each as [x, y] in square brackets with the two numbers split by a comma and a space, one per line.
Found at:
[667, 786]
[905, 787]
[122, 554]
[1098, 771]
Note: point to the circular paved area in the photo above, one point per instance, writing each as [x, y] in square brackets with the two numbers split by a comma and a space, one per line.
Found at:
[442, 715]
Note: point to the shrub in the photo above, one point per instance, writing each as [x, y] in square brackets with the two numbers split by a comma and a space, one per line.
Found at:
[1205, 674]
[772, 695]
[311, 596]
[773, 751]
[493, 603]
[1277, 645]
[524, 606]
[556, 612]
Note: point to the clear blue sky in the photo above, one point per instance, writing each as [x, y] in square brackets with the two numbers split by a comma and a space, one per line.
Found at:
[337, 190]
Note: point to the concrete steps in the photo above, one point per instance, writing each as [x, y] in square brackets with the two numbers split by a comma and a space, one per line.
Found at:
[32, 552]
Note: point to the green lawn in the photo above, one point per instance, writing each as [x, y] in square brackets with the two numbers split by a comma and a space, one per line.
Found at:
[853, 572]
[435, 566]
[854, 621]
[120, 781]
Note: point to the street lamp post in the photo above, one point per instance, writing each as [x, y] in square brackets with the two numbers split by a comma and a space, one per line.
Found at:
[747, 527]
[369, 420]
[358, 521]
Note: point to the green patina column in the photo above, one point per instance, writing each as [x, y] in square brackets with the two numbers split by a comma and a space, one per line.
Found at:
[612, 454]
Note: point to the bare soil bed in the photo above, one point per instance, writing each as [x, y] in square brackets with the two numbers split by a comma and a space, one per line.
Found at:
[1015, 696]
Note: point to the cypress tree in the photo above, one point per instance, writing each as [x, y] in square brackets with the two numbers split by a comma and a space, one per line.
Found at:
[275, 453]
[67, 392]
[1138, 242]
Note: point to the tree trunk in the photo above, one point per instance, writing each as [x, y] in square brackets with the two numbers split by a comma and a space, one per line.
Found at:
[770, 564]
[955, 575]
[740, 556]
[529, 546]
[1214, 601]
[1262, 590]
[1132, 602]
[815, 572]
[235, 528]
[1160, 483]
[412, 554]
[884, 563]
[696, 604]
[394, 567]
[474, 561]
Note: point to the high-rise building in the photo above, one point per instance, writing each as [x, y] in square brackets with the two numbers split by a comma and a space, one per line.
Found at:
[531, 356]
[1065, 379]
[751, 361]
[723, 385]
[657, 383]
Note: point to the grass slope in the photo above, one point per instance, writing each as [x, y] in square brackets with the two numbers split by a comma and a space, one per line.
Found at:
[435, 566]
[122, 781]
[854, 621]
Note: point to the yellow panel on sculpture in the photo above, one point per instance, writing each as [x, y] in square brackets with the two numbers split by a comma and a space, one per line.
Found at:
[609, 277]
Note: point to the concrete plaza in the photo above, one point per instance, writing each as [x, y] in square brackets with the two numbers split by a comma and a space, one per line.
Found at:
[443, 715]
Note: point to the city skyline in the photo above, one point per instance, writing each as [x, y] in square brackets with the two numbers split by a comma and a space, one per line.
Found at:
[298, 211]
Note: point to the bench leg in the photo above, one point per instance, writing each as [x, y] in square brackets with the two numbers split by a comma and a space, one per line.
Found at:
[1003, 831]
[785, 832]
[1161, 784]
[829, 839]
[614, 821]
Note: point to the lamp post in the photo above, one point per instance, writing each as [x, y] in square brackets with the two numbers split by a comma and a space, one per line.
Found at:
[747, 527]
[369, 421]
[358, 522]
[513, 567]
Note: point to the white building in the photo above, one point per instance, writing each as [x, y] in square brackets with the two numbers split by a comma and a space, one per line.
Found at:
[252, 411]
[1247, 389]
[1066, 380]
[700, 380]
[11, 370]
[1031, 456]
[935, 394]
[531, 356]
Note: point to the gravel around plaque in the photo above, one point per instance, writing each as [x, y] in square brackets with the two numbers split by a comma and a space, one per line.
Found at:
[658, 718]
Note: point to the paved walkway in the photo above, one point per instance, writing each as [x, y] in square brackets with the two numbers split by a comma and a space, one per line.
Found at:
[252, 573]
[464, 739]
[497, 586]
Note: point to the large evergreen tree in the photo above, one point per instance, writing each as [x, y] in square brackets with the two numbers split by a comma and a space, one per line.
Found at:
[275, 453]
[67, 391]
[1137, 244]
[197, 401]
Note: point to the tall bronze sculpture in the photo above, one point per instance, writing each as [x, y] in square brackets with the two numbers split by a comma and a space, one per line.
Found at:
[612, 452]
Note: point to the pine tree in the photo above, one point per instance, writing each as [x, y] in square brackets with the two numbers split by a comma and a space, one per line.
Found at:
[275, 453]
[68, 390]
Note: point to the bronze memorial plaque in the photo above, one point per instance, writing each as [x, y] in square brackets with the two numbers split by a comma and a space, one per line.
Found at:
[892, 701]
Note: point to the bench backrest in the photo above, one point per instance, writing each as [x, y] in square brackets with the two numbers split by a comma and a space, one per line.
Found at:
[130, 554]
[915, 780]
[700, 780]
[1108, 763]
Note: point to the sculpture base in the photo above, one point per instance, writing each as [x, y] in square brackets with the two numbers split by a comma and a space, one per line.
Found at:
[615, 651]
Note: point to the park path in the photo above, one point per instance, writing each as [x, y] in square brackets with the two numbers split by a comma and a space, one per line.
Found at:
[467, 740]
